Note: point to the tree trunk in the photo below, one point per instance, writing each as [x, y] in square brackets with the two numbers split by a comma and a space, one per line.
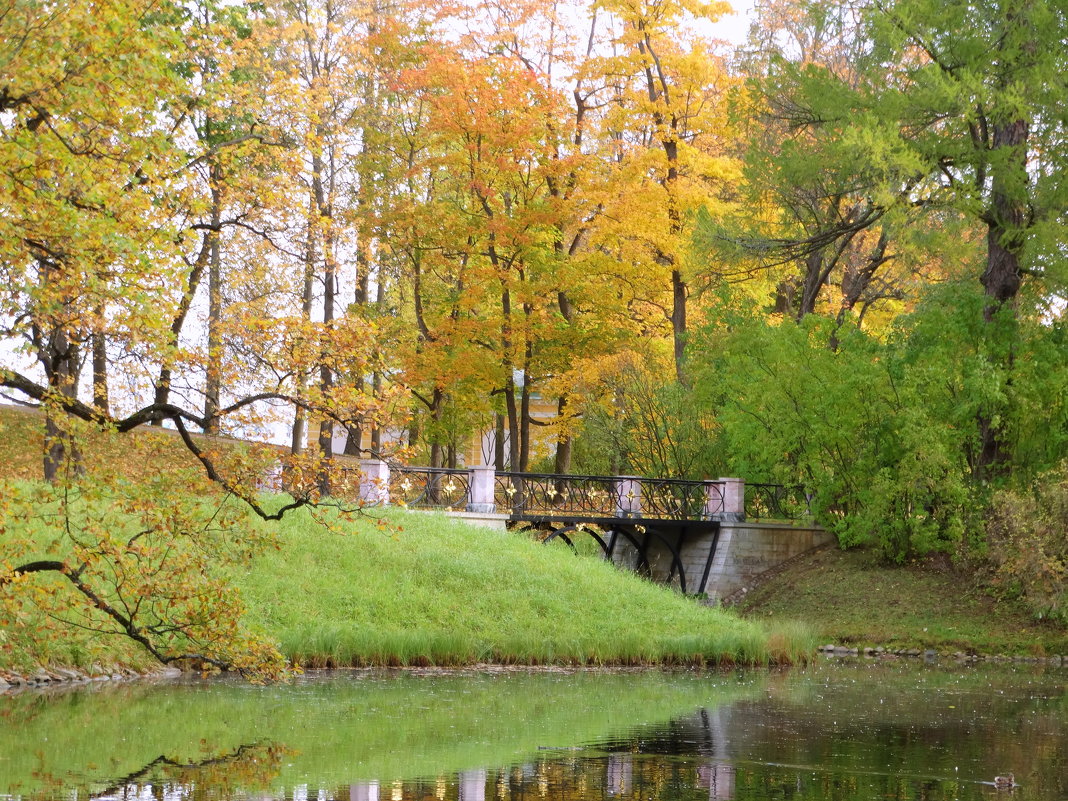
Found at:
[513, 424]
[60, 449]
[562, 462]
[213, 383]
[324, 223]
[498, 442]
[300, 416]
[196, 273]
[437, 403]
[524, 423]
[376, 429]
[100, 372]
[326, 375]
[353, 440]
[1006, 220]
[1006, 225]
[678, 325]
[376, 376]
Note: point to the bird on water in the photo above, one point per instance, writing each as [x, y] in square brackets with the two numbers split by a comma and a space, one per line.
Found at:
[1006, 782]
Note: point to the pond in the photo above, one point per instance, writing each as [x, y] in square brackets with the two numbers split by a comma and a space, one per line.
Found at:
[833, 730]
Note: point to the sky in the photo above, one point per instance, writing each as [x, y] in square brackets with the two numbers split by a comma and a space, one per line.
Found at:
[735, 27]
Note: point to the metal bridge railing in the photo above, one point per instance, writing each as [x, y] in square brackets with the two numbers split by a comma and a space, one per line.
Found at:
[543, 493]
[537, 495]
[777, 502]
[540, 494]
[429, 487]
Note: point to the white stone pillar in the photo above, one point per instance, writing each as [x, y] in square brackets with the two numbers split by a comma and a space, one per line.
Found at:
[481, 481]
[733, 499]
[628, 496]
[374, 482]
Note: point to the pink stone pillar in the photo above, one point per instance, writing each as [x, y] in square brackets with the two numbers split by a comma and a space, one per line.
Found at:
[628, 496]
[480, 497]
[733, 499]
[374, 482]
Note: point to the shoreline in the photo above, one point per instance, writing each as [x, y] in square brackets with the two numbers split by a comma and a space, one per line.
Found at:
[69, 679]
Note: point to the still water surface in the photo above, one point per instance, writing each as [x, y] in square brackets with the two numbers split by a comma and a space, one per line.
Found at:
[830, 731]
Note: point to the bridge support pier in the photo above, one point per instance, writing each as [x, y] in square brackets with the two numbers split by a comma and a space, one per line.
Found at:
[745, 550]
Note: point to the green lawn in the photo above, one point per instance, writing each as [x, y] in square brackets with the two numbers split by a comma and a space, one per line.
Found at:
[849, 598]
[412, 588]
[425, 589]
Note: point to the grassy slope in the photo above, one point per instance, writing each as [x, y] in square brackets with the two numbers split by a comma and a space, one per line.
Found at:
[427, 589]
[848, 598]
[420, 590]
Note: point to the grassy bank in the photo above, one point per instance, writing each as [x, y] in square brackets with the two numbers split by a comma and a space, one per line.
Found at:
[413, 589]
[849, 598]
[422, 589]
[426, 589]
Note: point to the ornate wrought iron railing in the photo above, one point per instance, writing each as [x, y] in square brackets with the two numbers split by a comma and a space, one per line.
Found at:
[777, 502]
[545, 493]
[678, 499]
[532, 494]
[429, 487]
[539, 495]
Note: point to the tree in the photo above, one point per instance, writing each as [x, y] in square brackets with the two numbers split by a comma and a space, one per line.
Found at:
[96, 200]
[832, 232]
[997, 154]
[85, 233]
[134, 559]
[949, 115]
[670, 127]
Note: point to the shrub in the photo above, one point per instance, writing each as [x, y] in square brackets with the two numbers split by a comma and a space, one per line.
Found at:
[1028, 539]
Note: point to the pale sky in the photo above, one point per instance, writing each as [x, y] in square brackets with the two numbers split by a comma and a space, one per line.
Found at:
[734, 27]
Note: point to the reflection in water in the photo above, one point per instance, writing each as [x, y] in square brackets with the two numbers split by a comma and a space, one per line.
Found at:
[248, 767]
[473, 785]
[718, 779]
[834, 732]
[620, 774]
[625, 776]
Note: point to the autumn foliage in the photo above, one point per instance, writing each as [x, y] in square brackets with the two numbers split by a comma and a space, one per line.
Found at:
[529, 233]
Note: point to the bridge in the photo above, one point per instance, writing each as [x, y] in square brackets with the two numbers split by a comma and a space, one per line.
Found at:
[703, 537]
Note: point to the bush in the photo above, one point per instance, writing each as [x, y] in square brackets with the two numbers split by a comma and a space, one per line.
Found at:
[858, 426]
[1028, 539]
[902, 435]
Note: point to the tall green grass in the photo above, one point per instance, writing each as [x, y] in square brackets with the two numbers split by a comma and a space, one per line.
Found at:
[422, 590]
[415, 589]
[429, 590]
